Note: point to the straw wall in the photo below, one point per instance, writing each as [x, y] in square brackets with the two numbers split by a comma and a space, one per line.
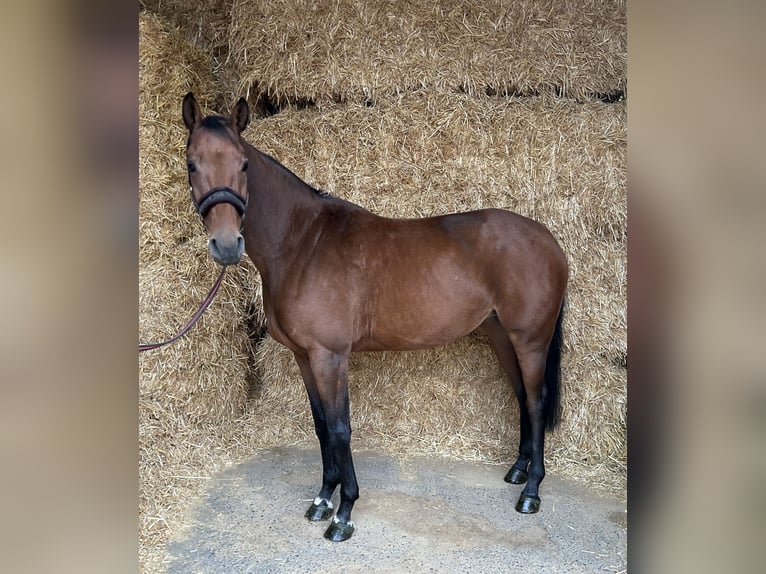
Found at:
[410, 109]
[190, 391]
[347, 50]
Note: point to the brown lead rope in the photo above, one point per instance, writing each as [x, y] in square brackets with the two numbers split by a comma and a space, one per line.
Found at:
[195, 317]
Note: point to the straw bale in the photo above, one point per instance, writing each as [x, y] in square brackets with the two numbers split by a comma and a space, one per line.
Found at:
[191, 393]
[455, 401]
[175, 269]
[203, 374]
[348, 50]
[591, 444]
[168, 66]
[176, 458]
[203, 24]
[421, 401]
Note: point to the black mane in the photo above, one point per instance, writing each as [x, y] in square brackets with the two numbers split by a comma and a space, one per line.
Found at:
[322, 193]
[215, 123]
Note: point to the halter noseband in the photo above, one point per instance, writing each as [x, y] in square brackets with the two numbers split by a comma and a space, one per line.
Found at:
[219, 195]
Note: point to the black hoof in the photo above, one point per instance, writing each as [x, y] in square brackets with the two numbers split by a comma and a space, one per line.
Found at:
[516, 476]
[317, 512]
[528, 504]
[339, 531]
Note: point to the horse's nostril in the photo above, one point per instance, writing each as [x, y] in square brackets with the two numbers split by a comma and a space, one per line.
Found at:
[215, 249]
[228, 251]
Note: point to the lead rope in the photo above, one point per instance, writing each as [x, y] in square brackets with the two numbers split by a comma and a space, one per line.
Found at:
[195, 317]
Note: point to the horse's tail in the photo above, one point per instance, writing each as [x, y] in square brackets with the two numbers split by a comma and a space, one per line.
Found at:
[552, 383]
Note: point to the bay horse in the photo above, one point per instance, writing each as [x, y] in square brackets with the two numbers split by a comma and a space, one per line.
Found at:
[339, 279]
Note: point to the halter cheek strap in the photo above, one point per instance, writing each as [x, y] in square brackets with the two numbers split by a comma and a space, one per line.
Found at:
[219, 195]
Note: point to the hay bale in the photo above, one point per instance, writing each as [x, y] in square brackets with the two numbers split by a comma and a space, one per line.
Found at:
[176, 270]
[190, 393]
[168, 66]
[346, 50]
[203, 24]
[446, 400]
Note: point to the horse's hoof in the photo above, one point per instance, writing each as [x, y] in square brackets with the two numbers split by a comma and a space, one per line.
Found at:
[320, 509]
[528, 504]
[339, 531]
[516, 476]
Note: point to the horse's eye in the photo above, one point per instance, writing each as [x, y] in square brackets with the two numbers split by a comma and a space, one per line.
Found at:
[244, 166]
[191, 167]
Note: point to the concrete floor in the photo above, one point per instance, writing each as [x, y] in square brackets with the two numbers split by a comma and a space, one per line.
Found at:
[419, 515]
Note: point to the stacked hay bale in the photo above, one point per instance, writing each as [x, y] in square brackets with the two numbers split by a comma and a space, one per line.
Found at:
[348, 50]
[409, 109]
[205, 25]
[192, 391]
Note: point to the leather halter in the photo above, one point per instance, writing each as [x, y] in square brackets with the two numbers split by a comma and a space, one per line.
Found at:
[219, 195]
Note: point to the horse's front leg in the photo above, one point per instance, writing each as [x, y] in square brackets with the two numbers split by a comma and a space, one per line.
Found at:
[328, 393]
[321, 508]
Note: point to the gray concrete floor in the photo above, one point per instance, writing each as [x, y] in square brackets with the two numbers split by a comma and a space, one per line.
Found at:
[419, 515]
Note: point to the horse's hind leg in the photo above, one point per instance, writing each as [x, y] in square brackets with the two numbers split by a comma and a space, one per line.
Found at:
[532, 364]
[506, 355]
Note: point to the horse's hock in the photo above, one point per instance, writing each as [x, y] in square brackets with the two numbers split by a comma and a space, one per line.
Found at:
[404, 135]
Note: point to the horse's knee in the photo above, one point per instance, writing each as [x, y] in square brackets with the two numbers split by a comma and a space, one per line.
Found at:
[339, 436]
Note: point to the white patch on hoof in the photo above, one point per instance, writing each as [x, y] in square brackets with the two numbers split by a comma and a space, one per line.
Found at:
[336, 521]
[319, 501]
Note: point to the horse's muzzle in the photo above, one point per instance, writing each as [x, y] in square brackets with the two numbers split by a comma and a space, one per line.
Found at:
[227, 251]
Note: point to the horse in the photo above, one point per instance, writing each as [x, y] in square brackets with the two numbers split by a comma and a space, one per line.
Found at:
[339, 279]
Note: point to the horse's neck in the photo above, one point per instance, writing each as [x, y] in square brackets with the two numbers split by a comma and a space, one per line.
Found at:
[280, 212]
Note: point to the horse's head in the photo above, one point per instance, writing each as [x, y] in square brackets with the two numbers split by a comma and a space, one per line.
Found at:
[217, 164]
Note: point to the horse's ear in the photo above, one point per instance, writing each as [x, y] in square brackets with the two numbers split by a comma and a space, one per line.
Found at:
[240, 115]
[191, 112]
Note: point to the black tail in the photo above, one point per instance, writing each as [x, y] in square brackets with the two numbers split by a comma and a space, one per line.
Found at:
[552, 385]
